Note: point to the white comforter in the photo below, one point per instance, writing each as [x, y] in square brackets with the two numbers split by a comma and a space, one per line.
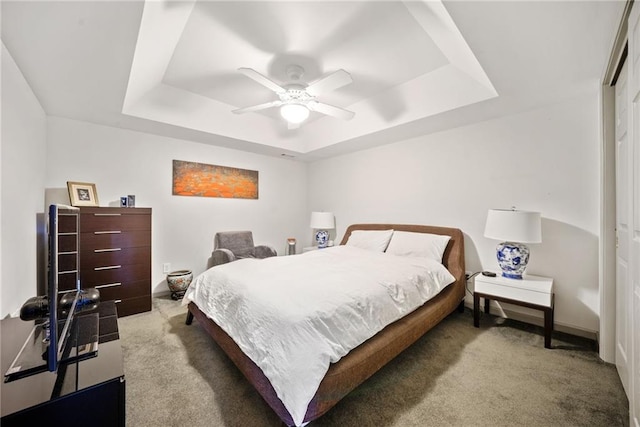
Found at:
[294, 315]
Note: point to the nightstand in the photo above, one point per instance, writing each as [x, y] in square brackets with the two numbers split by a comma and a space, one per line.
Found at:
[531, 291]
[313, 248]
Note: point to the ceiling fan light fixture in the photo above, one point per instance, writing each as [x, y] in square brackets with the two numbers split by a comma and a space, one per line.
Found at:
[294, 113]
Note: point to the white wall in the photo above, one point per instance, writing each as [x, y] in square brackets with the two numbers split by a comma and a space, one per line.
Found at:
[122, 162]
[22, 170]
[544, 160]
[451, 178]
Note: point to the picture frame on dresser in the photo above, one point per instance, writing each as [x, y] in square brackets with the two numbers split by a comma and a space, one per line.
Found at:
[82, 194]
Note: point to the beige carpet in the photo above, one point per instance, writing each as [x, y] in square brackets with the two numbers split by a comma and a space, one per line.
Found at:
[456, 375]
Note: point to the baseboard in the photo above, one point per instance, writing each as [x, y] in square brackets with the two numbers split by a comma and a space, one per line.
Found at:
[161, 294]
[534, 319]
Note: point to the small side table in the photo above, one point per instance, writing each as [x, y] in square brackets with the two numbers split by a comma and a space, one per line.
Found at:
[313, 248]
[531, 291]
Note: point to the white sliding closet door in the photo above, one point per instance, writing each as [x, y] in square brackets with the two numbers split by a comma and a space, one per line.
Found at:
[623, 306]
[630, 242]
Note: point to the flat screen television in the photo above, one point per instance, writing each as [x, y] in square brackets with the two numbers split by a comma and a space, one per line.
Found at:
[58, 334]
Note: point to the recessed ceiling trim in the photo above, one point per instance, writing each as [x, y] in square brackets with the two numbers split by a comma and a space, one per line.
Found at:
[444, 89]
[436, 21]
[177, 107]
[458, 83]
[161, 26]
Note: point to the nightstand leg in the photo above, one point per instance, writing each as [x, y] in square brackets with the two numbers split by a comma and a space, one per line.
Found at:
[548, 327]
[487, 305]
[476, 310]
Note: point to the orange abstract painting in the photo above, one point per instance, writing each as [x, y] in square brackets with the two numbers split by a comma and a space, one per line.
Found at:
[199, 179]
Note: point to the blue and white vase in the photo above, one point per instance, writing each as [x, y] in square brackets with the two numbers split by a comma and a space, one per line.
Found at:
[512, 259]
[322, 237]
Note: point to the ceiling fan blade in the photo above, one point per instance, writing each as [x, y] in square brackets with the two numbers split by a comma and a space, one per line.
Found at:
[264, 81]
[329, 82]
[331, 110]
[258, 107]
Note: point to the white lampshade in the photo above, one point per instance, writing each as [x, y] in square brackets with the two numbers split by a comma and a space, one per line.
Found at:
[294, 113]
[513, 226]
[322, 220]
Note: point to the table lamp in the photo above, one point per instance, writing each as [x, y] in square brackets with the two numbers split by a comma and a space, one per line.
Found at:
[515, 228]
[322, 221]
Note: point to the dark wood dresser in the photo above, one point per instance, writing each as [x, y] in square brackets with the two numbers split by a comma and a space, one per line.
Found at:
[115, 256]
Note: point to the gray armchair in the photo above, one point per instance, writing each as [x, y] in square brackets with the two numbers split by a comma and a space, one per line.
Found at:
[232, 245]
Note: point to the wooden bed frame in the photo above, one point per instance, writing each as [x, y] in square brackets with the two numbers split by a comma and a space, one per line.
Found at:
[366, 359]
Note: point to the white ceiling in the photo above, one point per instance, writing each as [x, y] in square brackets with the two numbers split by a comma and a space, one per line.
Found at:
[170, 68]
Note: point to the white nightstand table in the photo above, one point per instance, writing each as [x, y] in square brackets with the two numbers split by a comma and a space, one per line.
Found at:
[531, 291]
[312, 248]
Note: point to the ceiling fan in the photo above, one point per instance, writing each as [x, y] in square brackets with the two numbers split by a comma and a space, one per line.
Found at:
[296, 100]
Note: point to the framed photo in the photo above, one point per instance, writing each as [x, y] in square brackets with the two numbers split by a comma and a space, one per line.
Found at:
[82, 194]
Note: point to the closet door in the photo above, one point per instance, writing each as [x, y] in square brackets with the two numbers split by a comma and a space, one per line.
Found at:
[623, 306]
[632, 238]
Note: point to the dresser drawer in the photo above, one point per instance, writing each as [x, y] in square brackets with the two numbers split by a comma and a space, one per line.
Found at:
[67, 223]
[105, 259]
[122, 273]
[118, 239]
[121, 291]
[109, 223]
[130, 306]
[67, 243]
[67, 281]
[67, 262]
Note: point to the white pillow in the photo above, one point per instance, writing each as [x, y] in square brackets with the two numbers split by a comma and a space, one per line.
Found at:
[373, 240]
[405, 243]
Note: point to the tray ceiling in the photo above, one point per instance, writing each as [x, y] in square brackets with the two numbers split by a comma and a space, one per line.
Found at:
[170, 68]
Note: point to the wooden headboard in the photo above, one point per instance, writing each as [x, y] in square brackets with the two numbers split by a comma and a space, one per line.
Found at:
[453, 257]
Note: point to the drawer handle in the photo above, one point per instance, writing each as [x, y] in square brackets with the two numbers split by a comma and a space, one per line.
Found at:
[107, 214]
[107, 250]
[108, 232]
[118, 301]
[109, 267]
[67, 271]
[108, 285]
[66, 292]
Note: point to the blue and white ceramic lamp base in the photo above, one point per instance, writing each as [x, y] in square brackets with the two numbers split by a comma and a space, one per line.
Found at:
[512, 259]
[322, 237]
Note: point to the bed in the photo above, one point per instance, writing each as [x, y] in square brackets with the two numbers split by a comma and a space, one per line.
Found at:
[365, 359]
